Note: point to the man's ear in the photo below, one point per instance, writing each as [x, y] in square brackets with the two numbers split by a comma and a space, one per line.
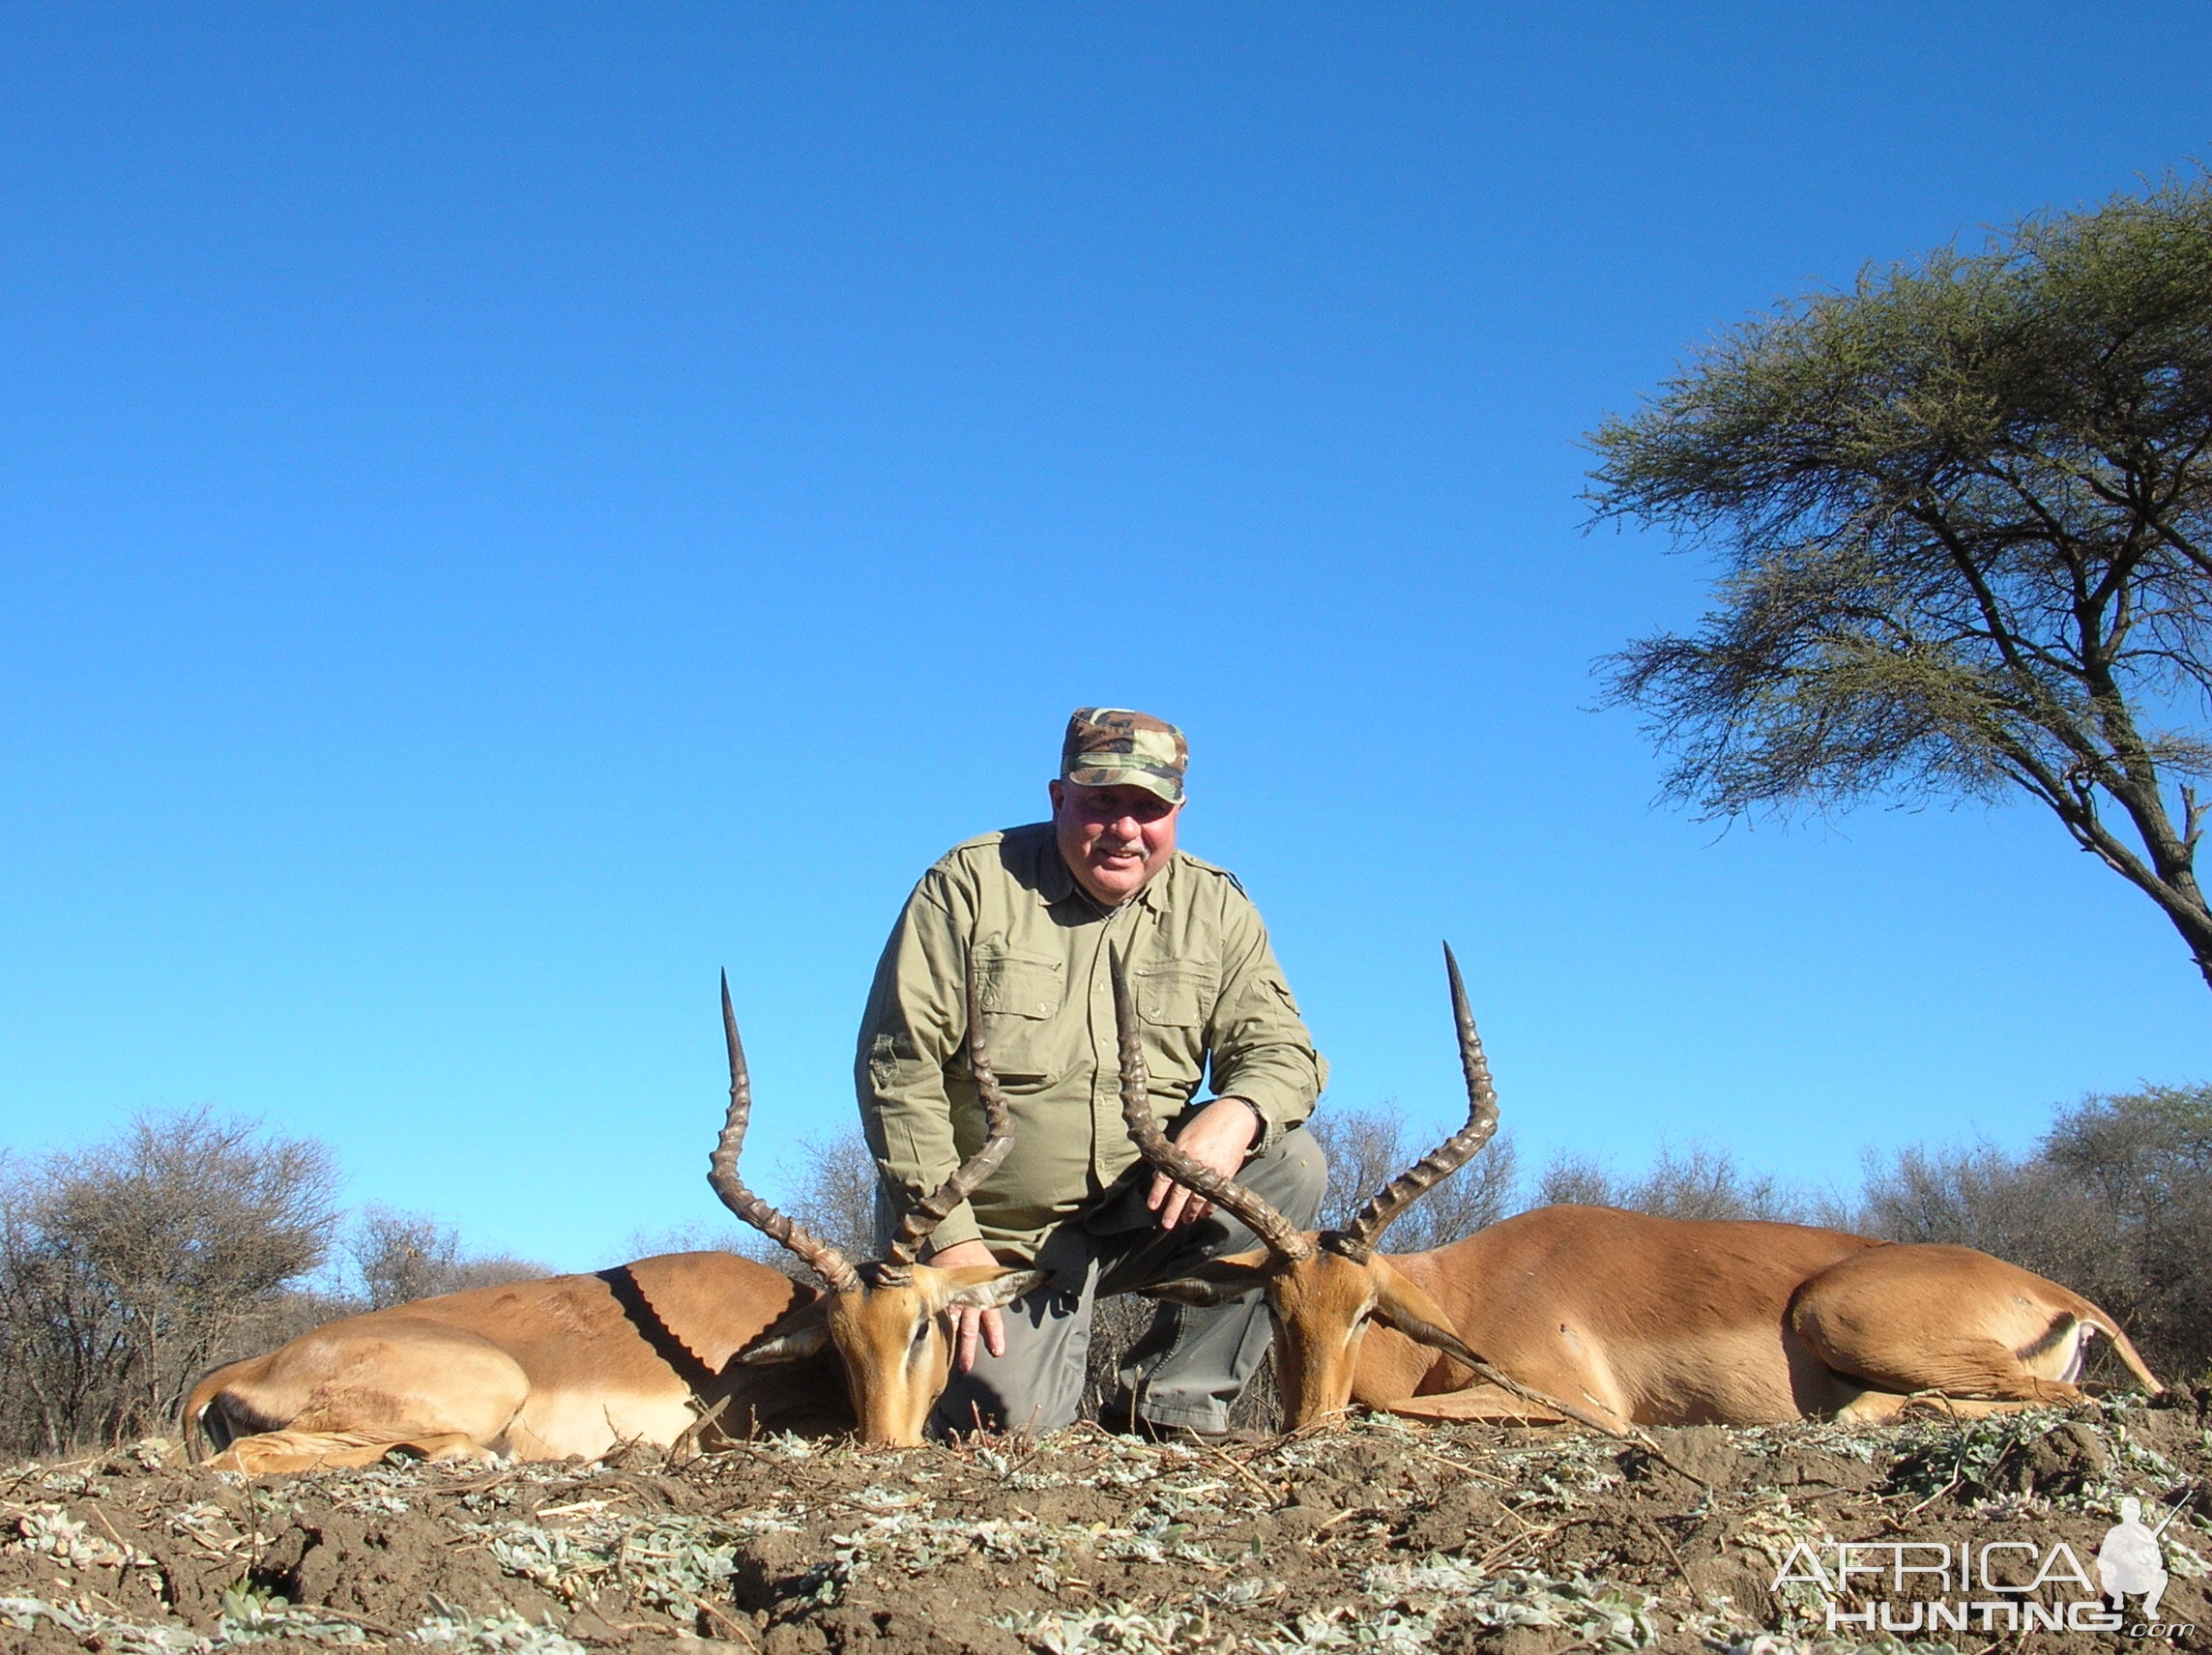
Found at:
[809, 1339]
[987, 1286]
[1404, 1307]
[1217, 1281]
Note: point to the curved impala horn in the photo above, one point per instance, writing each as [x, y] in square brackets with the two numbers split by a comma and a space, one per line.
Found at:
[998, 1138]
[1455, 1152]
[1283, 1238]
[831, 1265]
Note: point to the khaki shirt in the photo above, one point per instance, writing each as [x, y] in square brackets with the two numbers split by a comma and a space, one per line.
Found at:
[1208, 990]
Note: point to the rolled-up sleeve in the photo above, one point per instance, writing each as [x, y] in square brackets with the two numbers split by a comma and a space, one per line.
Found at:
[914, 1021]
[1261, 1049]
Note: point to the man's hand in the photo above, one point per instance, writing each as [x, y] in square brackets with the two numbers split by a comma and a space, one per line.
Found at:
[967, 1324]
[1217, 1136]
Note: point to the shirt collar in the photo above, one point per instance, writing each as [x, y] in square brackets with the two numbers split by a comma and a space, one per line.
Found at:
[1054, 881]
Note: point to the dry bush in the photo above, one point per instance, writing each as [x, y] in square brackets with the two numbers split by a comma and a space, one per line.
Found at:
[1577, 1181]
[401, 1257]
[129, 1268]
[1977, 1196]
[1704, 1183]
[1698, 1182]
[1117, 1325]
[835, 1196]
[837, 1192]
[1368, 1147]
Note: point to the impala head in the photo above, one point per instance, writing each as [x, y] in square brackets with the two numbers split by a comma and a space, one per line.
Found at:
[1325, 1289]
[889, 1319]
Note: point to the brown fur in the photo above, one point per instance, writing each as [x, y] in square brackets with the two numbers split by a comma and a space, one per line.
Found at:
[1676, 1321]
[1628, 1318]
[541, 1370]
[577, 1365]
[1614, 1318]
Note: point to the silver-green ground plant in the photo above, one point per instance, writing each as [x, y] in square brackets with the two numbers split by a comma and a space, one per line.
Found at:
[1379, 1536]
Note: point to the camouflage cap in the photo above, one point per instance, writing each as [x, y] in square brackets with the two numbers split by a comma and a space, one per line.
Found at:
[1112, 747]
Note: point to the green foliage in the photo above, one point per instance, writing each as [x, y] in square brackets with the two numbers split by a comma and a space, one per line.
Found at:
[1964, 514]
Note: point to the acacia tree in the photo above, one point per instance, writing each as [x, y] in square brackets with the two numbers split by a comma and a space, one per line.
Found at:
[1965, 514]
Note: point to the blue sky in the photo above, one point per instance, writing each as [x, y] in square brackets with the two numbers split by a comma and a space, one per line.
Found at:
[506, 510]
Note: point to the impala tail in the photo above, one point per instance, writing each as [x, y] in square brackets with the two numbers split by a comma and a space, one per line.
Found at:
[2096, 1319]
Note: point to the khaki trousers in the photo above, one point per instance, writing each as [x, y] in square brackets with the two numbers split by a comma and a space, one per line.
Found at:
[1190, 1366]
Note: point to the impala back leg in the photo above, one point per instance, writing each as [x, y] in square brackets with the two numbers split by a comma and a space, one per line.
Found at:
[1876, 1407]
[275, 1451]
[1908, 1319]
[348, 1396]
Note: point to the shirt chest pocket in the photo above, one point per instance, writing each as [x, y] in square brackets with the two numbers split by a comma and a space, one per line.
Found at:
[1174, 997]
[1175, 993]
[1021, 995]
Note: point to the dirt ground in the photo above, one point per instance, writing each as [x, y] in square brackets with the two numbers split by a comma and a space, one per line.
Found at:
[1379, 1536]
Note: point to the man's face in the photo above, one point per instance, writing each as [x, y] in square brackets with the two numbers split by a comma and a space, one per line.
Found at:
[1113, 838]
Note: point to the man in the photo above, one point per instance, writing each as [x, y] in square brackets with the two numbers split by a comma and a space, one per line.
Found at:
[1038, 908]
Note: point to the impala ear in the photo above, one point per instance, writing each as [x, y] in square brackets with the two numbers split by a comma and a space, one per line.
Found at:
[1217, 1281]
[987, 1286]
[1404, 1307]
[810, 1338]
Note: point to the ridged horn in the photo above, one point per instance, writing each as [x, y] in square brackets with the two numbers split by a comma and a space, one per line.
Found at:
[826, 1261]
[1282, 1238]
[1455, 1152]
[998, 1138]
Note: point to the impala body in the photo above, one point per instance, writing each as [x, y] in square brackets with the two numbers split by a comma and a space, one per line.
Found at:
[1655, 1321]
[644, 1351]
[540, 1370]
[1612, 1318]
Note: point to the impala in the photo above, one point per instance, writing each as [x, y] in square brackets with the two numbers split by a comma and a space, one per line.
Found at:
[1617, 1318]
[644, 1351]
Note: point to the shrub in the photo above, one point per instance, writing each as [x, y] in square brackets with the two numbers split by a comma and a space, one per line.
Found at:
[128, 1269]
[1698, 1182]
[401, 1257]
[1368, 1147]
